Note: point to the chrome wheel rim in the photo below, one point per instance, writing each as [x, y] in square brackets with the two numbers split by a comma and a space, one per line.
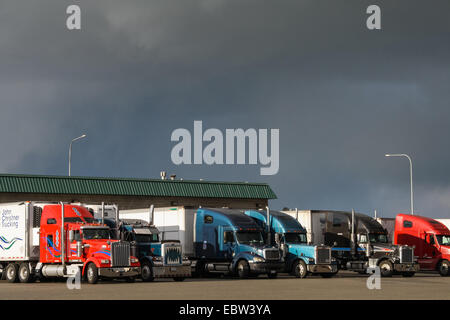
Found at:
[10, 273]
[90, 273]
[24, 273]
[301, 269]
[146, 272]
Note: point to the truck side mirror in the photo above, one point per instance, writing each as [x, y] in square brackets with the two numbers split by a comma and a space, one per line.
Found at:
[71, 235]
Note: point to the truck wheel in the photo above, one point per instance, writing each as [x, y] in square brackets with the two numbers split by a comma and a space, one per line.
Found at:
[386, 268]
[178, 279]
[444, 268]
[243, 269]
[25, 275]
[147, 272]
[3, 274]
[92, 273]
[12, 271]
[299, 269]
[408, 274]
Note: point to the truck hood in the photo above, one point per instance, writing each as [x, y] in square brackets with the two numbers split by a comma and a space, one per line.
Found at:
[445, 250]
[301, 250]
[381, 247]
[255, 249]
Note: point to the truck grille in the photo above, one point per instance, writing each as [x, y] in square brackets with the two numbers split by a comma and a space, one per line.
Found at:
[406, 254]
[271, 254]
[323, 255]
[120, 254]
[171, 254]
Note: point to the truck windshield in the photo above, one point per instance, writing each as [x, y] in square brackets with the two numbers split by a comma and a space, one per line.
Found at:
[378, 237]
[146, 238]
[443, 240]
[295, 237]
[76, 219]
[252, 238]
[94, 234]
[373, 238]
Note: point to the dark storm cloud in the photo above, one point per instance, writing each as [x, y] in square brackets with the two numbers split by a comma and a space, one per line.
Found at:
[341, 95]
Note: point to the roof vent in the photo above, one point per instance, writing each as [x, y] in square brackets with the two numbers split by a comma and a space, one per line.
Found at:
[173, 176]
[163, 175]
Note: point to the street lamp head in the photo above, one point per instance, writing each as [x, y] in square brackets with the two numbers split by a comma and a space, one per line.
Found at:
[80, 137]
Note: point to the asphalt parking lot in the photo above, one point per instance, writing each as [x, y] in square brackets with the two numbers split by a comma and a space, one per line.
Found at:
[346, 285]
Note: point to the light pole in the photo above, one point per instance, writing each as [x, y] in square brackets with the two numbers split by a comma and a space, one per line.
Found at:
[70, 149]
[410, 176]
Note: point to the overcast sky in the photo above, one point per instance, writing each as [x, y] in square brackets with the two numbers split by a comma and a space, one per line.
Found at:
[341, 95]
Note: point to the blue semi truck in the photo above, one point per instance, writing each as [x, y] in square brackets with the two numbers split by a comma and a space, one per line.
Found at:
[300, 259]
[220, 241]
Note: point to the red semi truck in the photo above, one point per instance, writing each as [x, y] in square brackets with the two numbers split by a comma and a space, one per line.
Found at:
[60, 240]
[430, 238]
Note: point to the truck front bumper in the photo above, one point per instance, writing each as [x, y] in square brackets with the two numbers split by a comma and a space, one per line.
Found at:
[117, 272]
[266, 267]
[406, 267]
[183, 271]
[322, 268]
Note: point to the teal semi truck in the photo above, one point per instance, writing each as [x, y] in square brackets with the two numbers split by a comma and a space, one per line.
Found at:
[300, 258]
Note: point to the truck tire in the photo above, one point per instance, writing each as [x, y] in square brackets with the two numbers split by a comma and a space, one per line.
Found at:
[25, 275]
[147, 272]
[12, 272]
[179, 279]
[299, 269]
[92, 273]
[386, 268]
[3, 274]
[242, 269]
[443, 268]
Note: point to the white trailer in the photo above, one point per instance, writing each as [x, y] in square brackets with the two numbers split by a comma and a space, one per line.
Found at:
[173, 223]
[313, 223]
[19, 233]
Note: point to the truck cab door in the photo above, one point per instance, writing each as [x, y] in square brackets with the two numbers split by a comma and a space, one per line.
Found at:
[226, 242]
[429, 258]
[73, 238]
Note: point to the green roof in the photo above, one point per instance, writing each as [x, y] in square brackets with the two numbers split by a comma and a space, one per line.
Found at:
[15, 183]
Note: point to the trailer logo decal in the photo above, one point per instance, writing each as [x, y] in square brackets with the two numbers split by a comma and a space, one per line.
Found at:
[8, 243]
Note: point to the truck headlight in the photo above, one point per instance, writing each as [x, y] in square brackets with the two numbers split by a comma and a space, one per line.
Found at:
[133, 260]
[258, 259]
[310, 260]
[105, 261]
